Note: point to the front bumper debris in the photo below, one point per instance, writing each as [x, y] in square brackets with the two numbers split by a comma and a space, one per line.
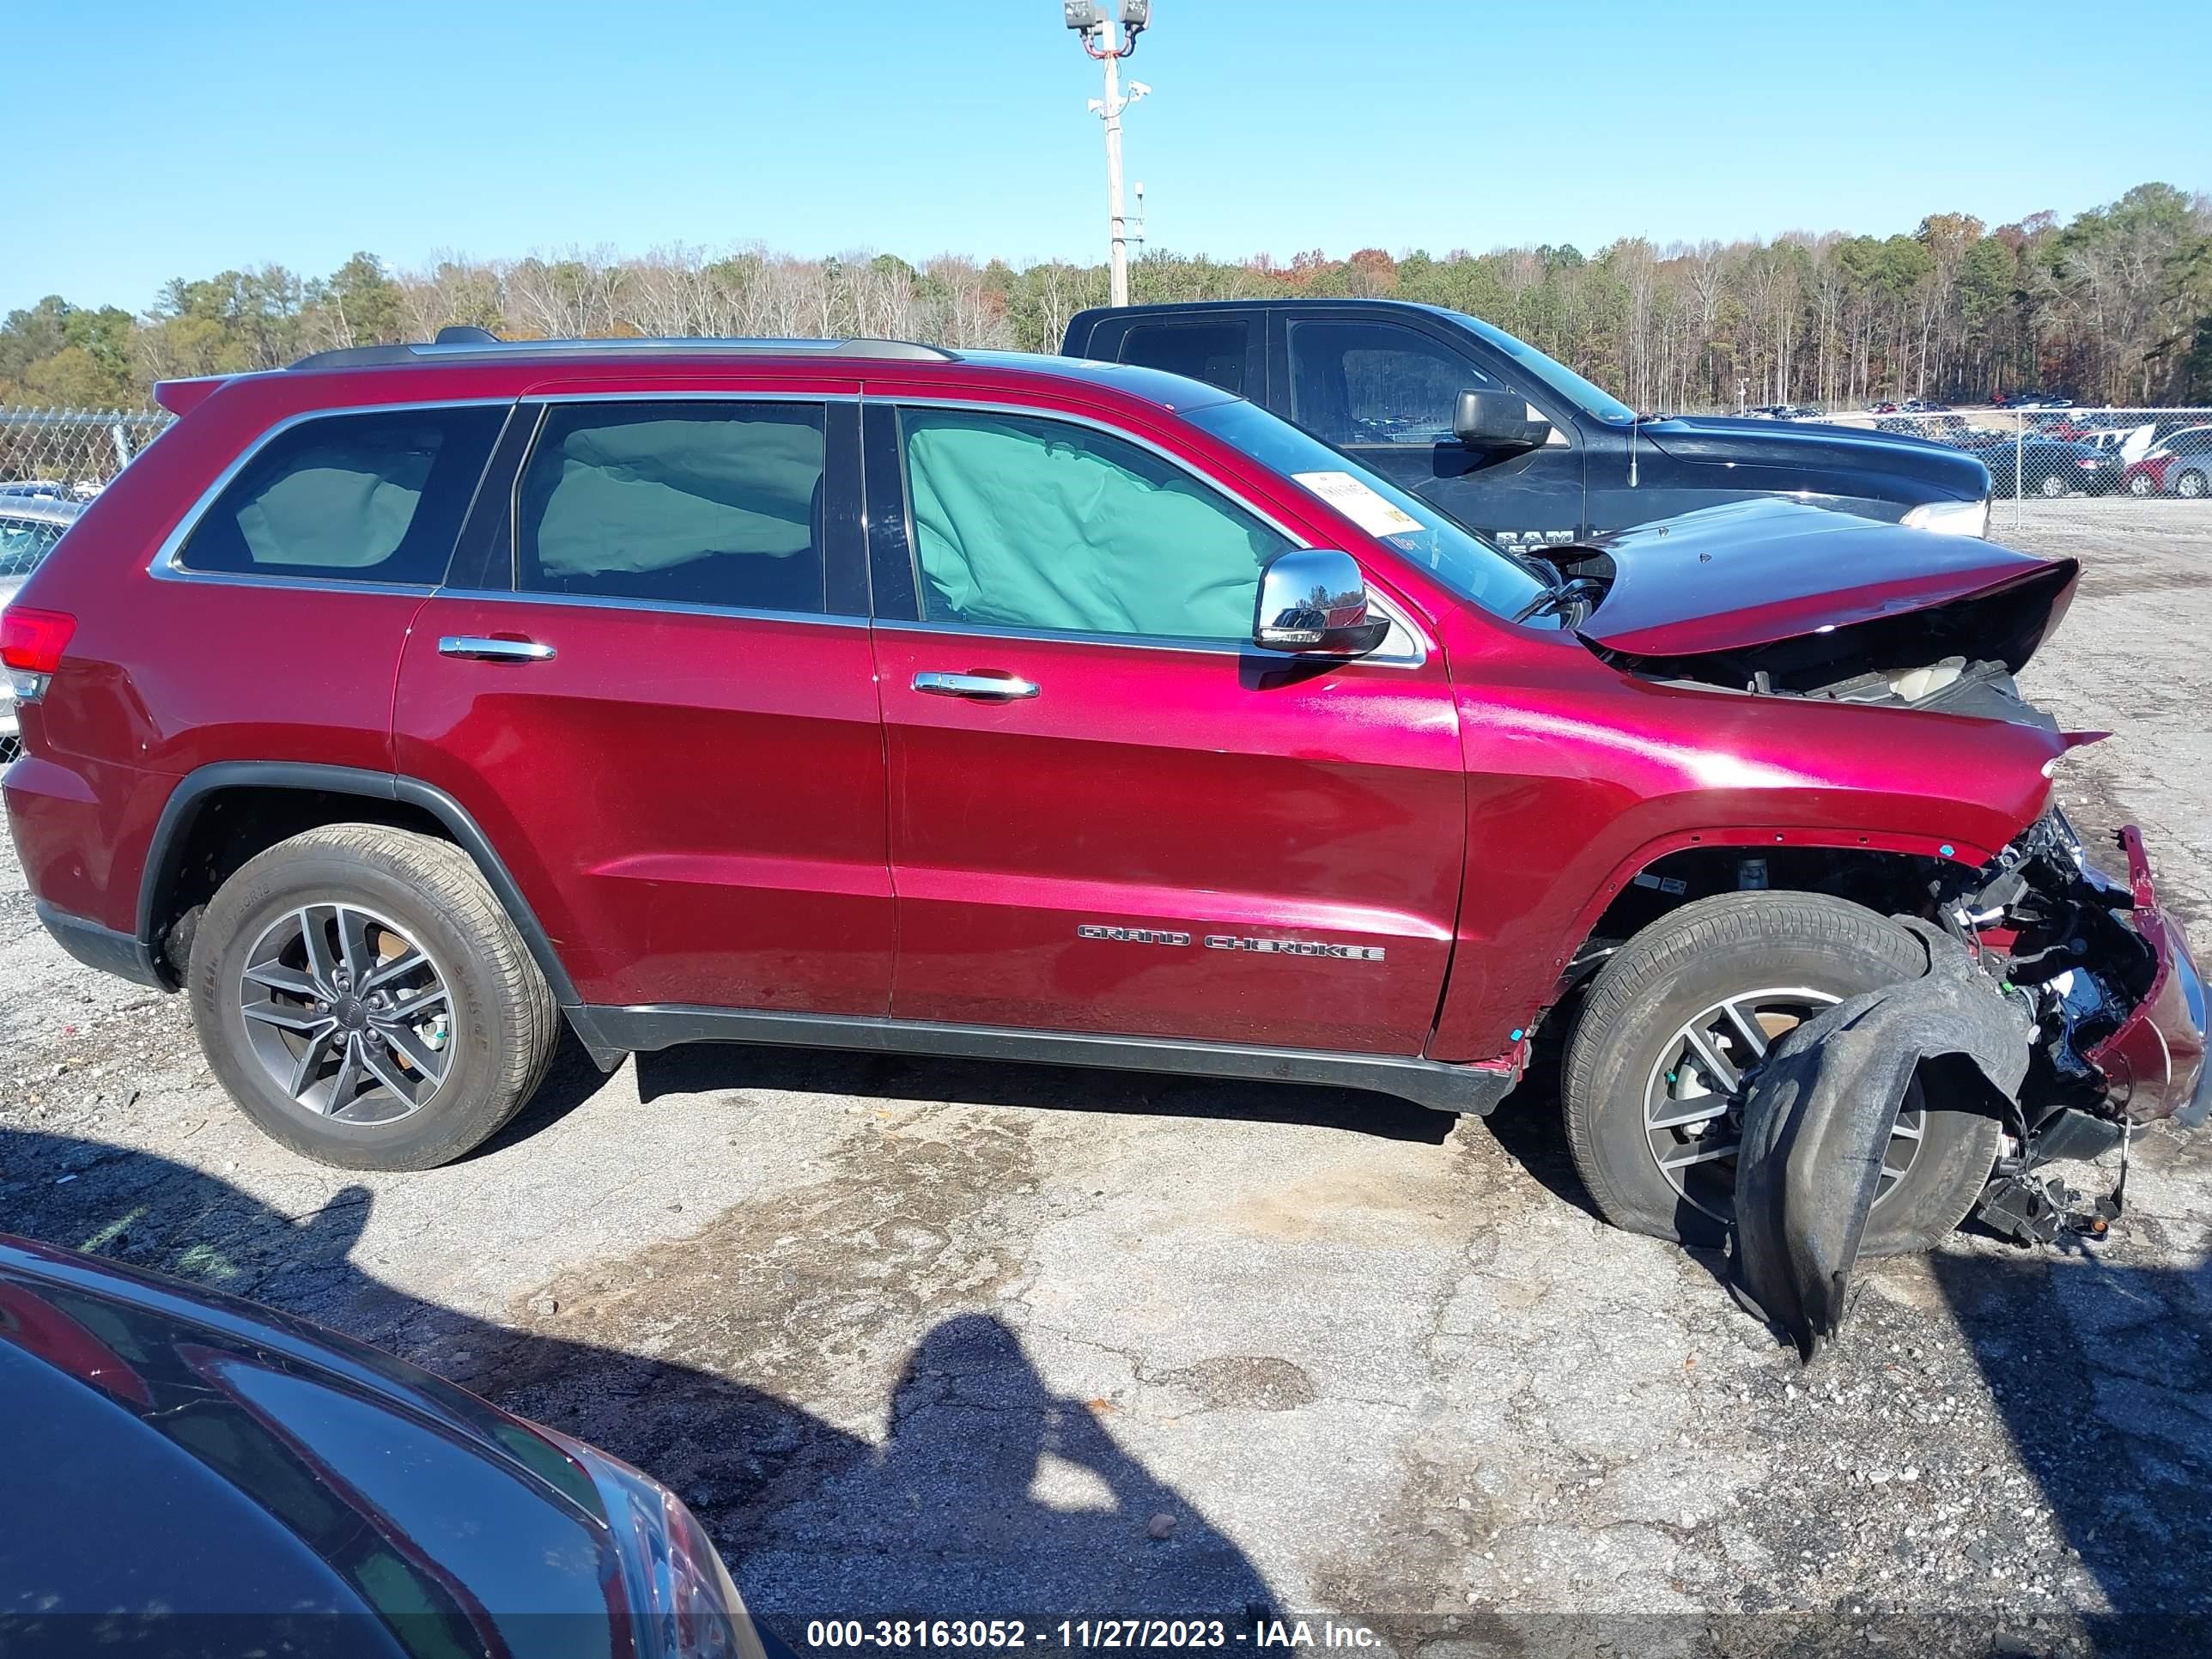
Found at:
[2056, 999]
[1819, 1116]
[2153, 1064]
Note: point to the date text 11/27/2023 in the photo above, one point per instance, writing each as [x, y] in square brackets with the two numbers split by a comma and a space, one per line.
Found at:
[1007, 1634]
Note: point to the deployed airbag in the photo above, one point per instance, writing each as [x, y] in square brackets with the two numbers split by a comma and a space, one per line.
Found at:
[1820, 1112]
[1033, 524]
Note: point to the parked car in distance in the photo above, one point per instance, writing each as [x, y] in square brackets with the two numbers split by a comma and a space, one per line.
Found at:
[35, 489]
[1088, 714]
[1512, 445]
[30, 526]
[2179, 465]
[1885, 407]
[2049, 466]
[1924, 406]
[202, 1464]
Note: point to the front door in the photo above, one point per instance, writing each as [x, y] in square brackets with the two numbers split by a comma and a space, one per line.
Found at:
[655, 695]
[1384, 390]
[1110, 813]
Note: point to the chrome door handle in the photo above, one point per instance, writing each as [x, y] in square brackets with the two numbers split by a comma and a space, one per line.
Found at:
[484, 650]
[985, 688]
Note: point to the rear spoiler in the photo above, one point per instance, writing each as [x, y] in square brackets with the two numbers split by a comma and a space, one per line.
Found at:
[181, 398]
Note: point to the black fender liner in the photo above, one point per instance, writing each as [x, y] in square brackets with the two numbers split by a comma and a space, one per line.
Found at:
[172, 830]
[1819, 1116]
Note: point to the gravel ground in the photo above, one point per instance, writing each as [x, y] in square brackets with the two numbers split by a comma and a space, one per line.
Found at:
[970, 1339]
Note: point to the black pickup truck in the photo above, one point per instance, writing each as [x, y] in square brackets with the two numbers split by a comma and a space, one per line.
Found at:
[1509, 442]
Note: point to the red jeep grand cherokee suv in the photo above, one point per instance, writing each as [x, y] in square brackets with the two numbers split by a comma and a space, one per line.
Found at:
[409, 703]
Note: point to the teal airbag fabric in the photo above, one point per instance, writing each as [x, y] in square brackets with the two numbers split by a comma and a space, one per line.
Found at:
[1032, 524]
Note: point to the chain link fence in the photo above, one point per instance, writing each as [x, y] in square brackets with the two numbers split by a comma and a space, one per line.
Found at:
[71, 454]
[2038, 454]
[52, 462]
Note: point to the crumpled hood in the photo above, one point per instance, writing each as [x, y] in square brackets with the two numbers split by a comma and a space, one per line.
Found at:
[1751, 572]
[1812, 447]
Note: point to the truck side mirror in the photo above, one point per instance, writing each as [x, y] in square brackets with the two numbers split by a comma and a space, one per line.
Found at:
[1314, 600]
[1496, 420]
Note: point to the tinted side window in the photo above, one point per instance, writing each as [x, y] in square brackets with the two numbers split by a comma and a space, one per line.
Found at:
[1025, 523]
[367, 498]
[688, 504]
[1214, 352]
[1376, 383]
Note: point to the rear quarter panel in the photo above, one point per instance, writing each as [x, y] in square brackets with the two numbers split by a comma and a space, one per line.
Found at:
[163, 676]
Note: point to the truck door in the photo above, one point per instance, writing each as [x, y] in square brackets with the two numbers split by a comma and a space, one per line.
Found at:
[1383, 389]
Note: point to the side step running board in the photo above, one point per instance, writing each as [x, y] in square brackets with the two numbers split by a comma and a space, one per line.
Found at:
[1473, 1090]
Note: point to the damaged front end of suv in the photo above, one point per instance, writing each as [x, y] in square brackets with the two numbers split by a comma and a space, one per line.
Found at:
[2115, 1001]
[2056, 998]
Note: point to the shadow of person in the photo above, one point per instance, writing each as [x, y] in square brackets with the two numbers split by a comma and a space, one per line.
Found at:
[1004, 1498]
[990, 1492]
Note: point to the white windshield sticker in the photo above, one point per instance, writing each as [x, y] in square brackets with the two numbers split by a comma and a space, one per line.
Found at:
[1358, 503]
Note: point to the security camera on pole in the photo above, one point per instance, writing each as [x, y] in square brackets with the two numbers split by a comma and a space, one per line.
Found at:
[1109, 29]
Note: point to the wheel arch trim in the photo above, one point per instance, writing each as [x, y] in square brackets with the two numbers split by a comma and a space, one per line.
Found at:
[179, 813]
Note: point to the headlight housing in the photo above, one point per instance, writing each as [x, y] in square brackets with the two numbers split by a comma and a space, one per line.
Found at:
[1950, 518]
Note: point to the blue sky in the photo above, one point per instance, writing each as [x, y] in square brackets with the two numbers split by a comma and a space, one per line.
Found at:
[162, 140]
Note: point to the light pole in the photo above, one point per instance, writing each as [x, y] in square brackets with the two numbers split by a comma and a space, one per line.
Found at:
[1116, 24]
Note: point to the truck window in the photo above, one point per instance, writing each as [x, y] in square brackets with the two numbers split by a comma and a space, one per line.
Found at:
[1212, 352]
[1376, 383]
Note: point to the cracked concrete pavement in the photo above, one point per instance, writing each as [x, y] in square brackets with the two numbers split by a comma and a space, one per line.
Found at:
[970, 1339]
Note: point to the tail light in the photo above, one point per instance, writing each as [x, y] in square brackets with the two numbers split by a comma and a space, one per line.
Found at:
[31, 646]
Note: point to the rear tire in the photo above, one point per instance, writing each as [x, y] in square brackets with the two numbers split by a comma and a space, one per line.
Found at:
[363, 946]
[1743, 945]
[2190, 483]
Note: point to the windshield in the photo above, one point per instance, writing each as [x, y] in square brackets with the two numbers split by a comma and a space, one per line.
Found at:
[1584, 394]
[1464, 562]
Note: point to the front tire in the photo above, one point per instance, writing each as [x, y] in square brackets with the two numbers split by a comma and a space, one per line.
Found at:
[363, 997]
[1652, 1109]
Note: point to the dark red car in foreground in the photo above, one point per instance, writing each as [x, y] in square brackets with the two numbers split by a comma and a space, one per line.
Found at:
[407, 704]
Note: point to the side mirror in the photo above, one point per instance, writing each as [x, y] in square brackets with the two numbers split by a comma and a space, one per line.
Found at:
[1314, 599]
[1496, 420]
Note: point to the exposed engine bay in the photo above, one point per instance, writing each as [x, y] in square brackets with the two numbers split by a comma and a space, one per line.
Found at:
[1746, 598]
[2058, 998]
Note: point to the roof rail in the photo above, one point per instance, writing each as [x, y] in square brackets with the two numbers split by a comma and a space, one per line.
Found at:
[462, 344]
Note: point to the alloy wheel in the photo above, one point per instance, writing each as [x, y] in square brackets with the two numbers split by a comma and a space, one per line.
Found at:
[350, 1016]
[1693, 1101]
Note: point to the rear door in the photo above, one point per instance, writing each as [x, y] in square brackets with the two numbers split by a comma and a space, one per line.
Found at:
[1110, 813]
[1384, 387]
[649, 680]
